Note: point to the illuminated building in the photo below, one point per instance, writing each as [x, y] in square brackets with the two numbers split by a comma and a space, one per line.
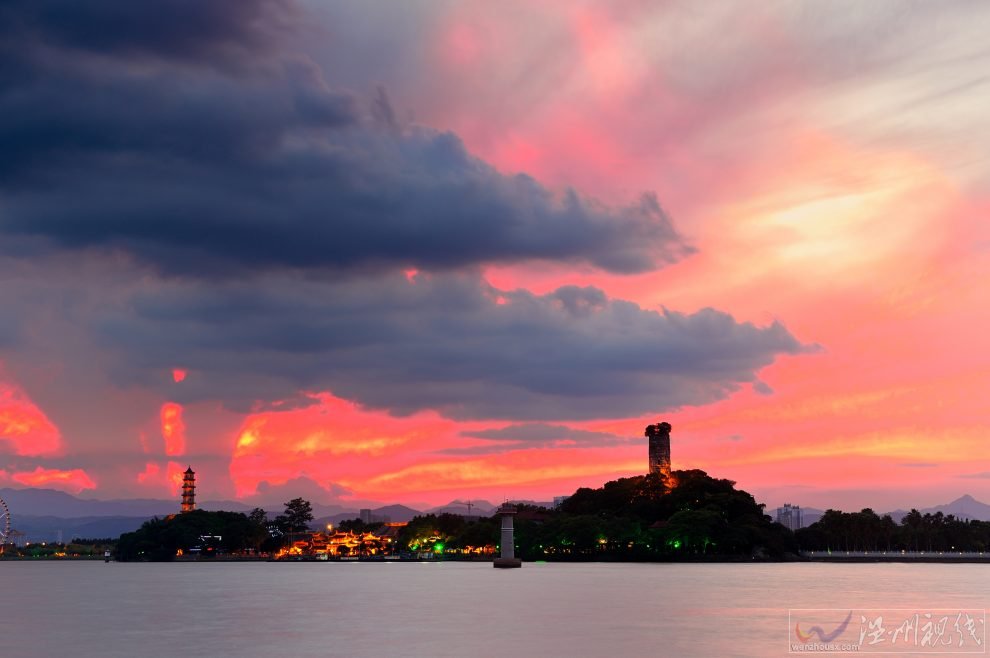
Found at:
[324, 545]
[188, 490]
[659, 441]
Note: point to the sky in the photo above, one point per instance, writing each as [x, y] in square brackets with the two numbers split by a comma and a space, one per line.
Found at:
[423, 251]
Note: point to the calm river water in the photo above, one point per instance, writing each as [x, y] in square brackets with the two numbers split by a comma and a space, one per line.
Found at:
[83, 609]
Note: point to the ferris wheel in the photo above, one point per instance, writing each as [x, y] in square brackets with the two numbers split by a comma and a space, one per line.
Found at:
[4, 523]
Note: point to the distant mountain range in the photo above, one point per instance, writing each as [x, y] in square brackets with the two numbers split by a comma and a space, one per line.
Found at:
[50, 515]
[49, 502]
[965, 507]
[56, 529]
[391, 513]
[467, 507]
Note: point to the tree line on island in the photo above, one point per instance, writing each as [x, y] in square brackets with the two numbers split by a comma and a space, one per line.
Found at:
[210, 533]
[867, 531]
[636, 518]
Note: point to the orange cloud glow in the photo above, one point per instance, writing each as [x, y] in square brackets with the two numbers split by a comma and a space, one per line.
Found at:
[327, 441]
[869, 252]
[149, 474]
[72, 481]
[167, 479]
[379, 456]
[24, 425]
[173, 429]
[546, 472]
[173, 476]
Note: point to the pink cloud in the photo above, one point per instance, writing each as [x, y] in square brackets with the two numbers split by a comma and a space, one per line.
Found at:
[24, 425]
[328, 441]
[73, 481]
[150, 473]
[164, 479]
[383, 457]
[173, 429]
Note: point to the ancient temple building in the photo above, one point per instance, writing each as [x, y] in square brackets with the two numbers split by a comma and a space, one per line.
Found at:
[188, 490]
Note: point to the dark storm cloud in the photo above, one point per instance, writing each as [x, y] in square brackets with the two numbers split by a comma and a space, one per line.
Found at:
[176, 29]
[533, 435]
[441, 342]
[132, 138]
[543, 433]
[762, 388]
[130, 157]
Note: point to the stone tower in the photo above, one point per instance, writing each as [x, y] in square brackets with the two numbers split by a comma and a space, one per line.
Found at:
[659, 436]
[188, 490]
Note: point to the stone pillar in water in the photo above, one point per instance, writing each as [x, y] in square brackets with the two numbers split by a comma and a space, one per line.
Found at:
[507, 559]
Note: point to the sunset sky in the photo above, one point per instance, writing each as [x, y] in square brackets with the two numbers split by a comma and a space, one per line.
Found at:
[422, 251]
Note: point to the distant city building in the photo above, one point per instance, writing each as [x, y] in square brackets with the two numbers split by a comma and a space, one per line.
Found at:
[659, 443]
[367, 517]
[559, 500]
[789, 516]
[188, 490]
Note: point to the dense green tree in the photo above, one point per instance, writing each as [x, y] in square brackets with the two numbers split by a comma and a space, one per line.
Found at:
[297, 516]
[694, 530]
[645, 517]
[160, 539]
[477, 533]
[423, 533]
[358, 526]
[865, 531]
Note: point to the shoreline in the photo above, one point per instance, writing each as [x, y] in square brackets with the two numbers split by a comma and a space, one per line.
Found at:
[836, 559]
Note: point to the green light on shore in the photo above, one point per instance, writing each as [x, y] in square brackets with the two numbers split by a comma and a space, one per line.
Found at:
[438, 548]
